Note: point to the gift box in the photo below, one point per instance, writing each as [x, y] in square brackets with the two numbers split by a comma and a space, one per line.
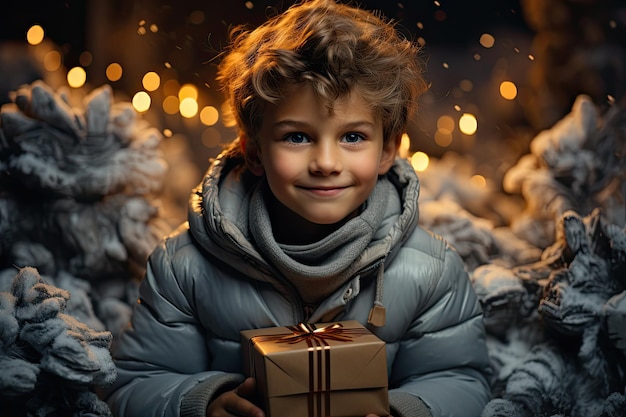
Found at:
[318, 370]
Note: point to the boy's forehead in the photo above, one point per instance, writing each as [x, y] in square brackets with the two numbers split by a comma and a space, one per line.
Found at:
[304, 93]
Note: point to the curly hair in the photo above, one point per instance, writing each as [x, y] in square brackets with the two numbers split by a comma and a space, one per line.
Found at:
[336, 48]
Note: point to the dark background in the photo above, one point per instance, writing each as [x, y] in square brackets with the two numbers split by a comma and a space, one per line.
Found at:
[552, 50]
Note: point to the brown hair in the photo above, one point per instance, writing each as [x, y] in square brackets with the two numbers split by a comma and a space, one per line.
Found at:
[334, 47]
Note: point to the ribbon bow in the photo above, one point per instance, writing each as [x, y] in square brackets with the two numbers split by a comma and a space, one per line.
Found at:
[305, 332]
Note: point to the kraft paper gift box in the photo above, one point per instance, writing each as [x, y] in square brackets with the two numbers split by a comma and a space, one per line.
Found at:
[318, 370]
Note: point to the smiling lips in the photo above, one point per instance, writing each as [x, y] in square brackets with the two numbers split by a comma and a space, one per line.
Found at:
[324, 191]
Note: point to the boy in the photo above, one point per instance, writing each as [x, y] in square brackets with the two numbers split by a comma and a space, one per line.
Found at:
[308, 217]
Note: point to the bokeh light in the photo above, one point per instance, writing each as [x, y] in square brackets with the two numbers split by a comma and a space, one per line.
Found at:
[209, 115]
[171, 87]
[52, 61]
[76, 77]
[445, 124]
[443, 139]
[508, 90]
[487, 40]
[468, 124]
[188, 91]
[141, 101]
[85, 59]
[479, 181]
[114, 71]
[35, 35]
[171, 104]
[405, 146]
[188, 107]
[420, 161]
[151, 81]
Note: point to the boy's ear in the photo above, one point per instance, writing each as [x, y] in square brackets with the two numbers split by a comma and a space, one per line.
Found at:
[251, 154]
[388, 156]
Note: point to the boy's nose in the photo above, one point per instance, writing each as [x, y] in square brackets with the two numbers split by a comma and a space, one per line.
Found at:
[326, 159]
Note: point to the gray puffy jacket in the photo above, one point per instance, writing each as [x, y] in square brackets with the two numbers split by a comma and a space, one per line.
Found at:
[207, 282]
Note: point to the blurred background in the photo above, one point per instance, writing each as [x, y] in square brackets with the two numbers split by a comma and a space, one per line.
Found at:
[499, 70]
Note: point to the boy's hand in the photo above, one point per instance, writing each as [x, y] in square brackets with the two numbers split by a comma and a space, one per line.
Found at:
[236, 402]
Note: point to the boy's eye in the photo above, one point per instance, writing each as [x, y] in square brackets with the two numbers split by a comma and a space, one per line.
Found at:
[297, 137]
[353, 138]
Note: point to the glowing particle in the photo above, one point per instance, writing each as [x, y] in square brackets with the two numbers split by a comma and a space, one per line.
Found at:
[76, 77]
[197, 17]
[52, 61]
[249, 5]
[487, 40]
[466, 85]
[508, 90]
[85, 59]
[170, 104]
[141, 101]
[171, 87]
[35, 35]
[154, 28]
[188, 107]
[167, 133]
[151, 81]
[419, 161]
[479, 181]
[405, 146]
[445, 65]
[209, 115]
[445, 124]
[114, 71]
[443, 139]
[468, 124]
[188, 91]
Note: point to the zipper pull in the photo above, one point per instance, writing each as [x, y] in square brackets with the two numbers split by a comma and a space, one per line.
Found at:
[377, 316]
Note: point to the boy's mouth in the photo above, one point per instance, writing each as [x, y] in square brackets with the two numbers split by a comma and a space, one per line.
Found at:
[324, 191]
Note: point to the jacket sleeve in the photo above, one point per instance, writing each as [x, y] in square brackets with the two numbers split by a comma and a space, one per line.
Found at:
[442, 360]
[162, 359]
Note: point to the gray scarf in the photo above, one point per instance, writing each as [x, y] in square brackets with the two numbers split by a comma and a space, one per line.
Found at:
[319, 268]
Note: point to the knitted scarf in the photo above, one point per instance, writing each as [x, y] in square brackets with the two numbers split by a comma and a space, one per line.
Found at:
[319, 268]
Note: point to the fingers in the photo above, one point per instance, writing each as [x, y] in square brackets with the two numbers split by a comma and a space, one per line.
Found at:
[236, 403]
[247, 389]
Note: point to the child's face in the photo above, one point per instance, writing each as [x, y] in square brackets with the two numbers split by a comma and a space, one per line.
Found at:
[321, 165]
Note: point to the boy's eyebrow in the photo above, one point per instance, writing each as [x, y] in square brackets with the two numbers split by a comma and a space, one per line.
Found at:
[348, 125]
